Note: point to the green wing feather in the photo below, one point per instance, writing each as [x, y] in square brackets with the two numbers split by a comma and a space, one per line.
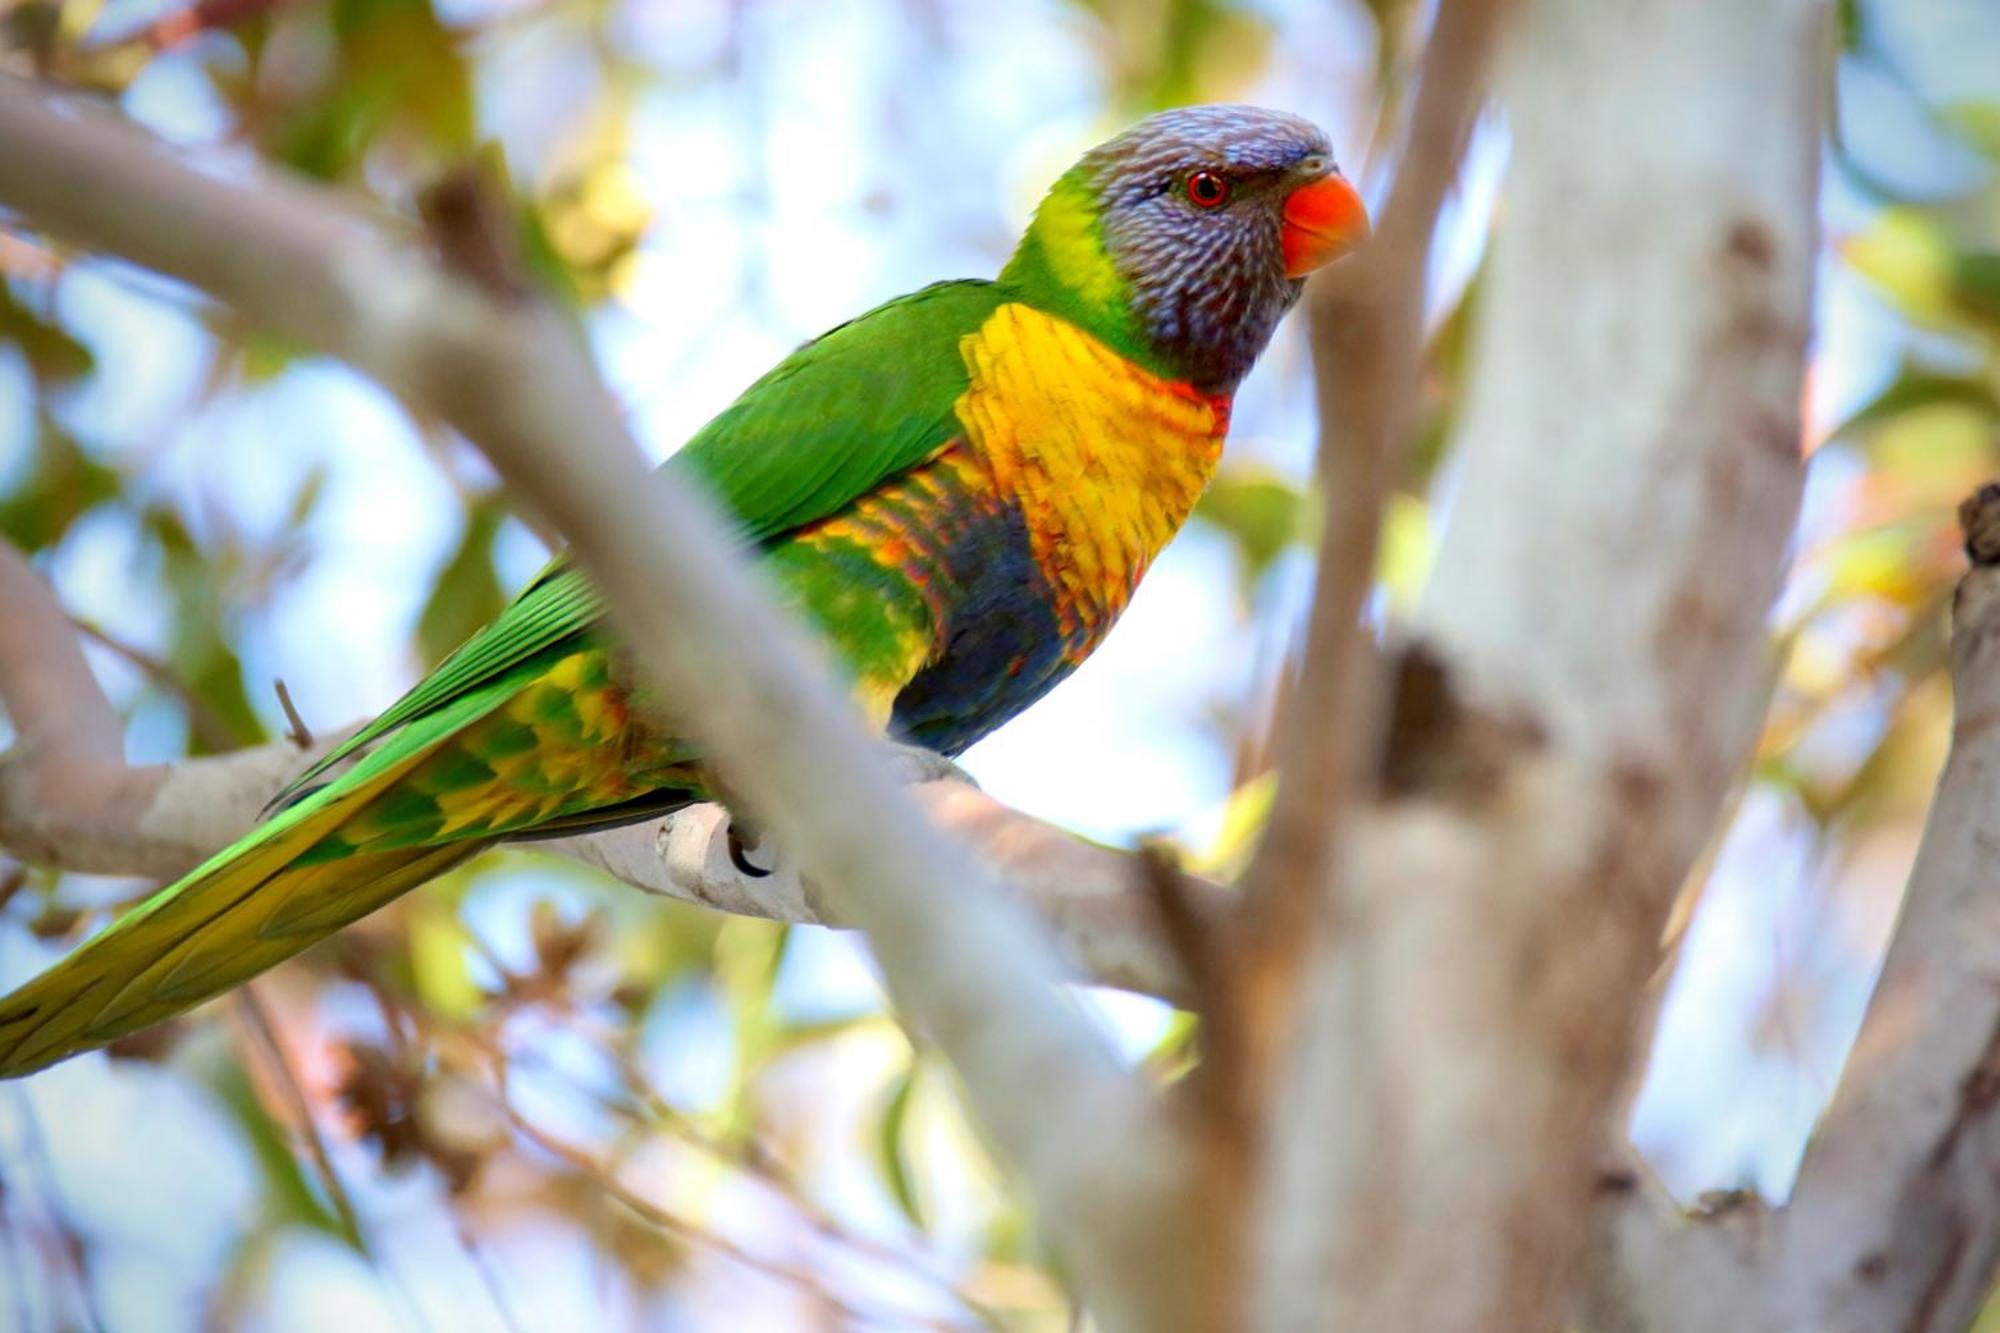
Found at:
[862, 402]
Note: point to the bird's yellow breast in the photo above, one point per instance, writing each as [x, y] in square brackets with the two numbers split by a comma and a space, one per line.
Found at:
[1104, 459]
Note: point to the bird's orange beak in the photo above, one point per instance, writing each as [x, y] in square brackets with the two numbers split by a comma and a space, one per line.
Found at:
[1323, 221]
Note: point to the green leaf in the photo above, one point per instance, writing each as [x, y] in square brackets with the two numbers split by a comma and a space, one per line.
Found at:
[397, 76]
[261, 358]
[1261, 512]
[440, 962]
[1849, 21]
[53, 355]
[788, 1037]
[889, 1146]
[1907, 255]
[467, 595]
[306, 502]
[1976, 282]
[201, 652]
[1915, 388]
[62, 483]
[1977, 121]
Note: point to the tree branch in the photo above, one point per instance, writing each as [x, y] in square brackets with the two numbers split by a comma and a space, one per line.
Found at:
[179, 814]
[964, 965]
[1367, 319]
[1893, 1222]
[67, 797]
[1625, 482]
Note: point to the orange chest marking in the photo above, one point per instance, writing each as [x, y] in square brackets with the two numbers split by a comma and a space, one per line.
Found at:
[1104, 459]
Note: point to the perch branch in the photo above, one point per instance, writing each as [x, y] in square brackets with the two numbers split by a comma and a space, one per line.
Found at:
[173, 816]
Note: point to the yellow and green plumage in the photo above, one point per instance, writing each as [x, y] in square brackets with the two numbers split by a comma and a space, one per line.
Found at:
[960, 490]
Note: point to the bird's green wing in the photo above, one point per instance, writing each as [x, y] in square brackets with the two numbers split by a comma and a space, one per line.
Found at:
[556, 606]
[859, 404]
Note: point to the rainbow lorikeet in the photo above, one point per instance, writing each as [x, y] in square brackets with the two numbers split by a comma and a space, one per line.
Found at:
[959, 489]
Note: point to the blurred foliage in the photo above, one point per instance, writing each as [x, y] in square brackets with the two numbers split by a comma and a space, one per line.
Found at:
[1866, 628]
[513, 1043]
[1168, 52]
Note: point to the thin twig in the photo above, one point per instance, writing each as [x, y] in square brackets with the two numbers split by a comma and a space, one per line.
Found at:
[14, 1241]
[265, 1036]
[299, 733]
[584, 1164]
[489, 1276]
[66, 1234]
[756, 1158]
[208, 725]
[753, 1157]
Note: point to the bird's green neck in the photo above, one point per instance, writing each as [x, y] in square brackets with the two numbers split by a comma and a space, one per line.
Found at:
[1061, 267]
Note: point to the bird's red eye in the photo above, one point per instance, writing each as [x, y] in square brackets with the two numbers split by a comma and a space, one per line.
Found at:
[1205, 189]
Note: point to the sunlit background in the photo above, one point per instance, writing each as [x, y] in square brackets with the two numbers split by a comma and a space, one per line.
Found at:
[708, 1123]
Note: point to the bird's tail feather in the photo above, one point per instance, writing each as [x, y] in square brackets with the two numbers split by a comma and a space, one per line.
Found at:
[246, 909]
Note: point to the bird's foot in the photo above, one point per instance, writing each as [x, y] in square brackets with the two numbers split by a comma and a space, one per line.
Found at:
[743, 841]
[749, 849]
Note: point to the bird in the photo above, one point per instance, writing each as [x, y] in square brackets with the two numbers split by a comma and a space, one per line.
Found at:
[959, 491]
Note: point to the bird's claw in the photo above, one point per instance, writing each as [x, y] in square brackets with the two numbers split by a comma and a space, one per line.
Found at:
[913, 764]
[739, 853]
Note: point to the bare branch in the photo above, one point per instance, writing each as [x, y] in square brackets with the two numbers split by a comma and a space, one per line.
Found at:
[1893, 1222]
[963, 963]
[52, 697]
[67, 796]
[1366, 329]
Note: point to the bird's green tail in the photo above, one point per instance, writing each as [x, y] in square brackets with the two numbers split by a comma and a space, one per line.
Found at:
[246, 909]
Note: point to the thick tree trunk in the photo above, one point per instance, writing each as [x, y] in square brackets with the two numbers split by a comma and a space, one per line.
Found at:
[1624, 487]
